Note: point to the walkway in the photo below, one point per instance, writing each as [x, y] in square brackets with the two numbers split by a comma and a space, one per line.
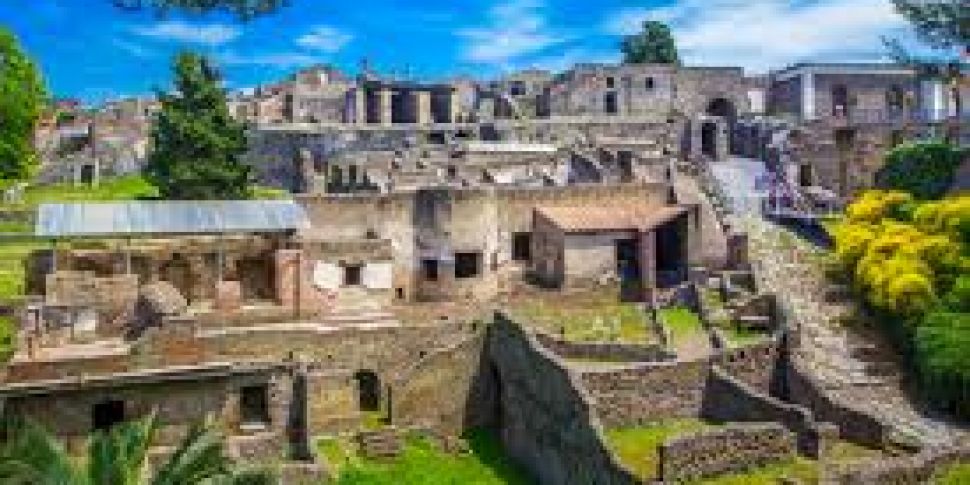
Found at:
[852, 360]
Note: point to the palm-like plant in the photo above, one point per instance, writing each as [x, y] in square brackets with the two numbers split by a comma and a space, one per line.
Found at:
[117, 457]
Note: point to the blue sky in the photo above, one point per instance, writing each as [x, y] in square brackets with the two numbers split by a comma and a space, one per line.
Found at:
[90, 50]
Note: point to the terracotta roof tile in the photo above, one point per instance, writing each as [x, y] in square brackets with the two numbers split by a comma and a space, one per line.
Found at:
[624, 217]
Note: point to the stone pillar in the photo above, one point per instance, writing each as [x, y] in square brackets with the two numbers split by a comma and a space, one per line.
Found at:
[695, 251]
[360, 106]
[454, 107]
[423, 104]
[287, 276]
[384, 97]
[808, 96]
[228, 296]
[648, 263]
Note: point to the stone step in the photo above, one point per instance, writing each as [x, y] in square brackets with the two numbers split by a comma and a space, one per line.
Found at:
[380, 444]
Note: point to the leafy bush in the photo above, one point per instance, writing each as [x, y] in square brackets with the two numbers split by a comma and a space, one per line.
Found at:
[910, 261]
[924, 169]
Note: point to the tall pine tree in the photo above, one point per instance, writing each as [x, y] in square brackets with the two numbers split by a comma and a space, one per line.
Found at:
[197, 144]
[22, 96]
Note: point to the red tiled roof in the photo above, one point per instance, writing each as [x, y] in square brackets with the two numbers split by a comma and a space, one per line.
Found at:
[625, 217]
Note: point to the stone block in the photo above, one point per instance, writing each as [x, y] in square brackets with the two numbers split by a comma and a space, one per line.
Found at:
[228, 296]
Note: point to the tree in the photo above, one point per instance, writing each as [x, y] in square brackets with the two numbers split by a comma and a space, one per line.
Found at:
[118, 457]
[654, 45]
[924, 169]
[941, 24]
[22, 97]
[197, 144]
[244, 9]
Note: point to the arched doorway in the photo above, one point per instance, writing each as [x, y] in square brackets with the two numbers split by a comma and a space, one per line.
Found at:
[369, 390]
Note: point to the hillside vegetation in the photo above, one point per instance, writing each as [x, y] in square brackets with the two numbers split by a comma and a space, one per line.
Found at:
[910, 261]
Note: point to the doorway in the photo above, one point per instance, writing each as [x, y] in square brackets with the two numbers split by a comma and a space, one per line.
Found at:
[106, 414]
[709, 139]
[628, 269]
[369, 390]
[670, 263]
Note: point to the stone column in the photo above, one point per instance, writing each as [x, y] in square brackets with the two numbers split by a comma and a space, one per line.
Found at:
[360, 106]
[423, 103]
[648, 263]
[454, 107]
[384, 97]
[287, 277]
[808, 96]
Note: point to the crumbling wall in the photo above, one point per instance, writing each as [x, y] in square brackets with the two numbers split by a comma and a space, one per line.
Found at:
[646, 392]
[547, 422]
[448, 390]
[900, 470]
[735, 448]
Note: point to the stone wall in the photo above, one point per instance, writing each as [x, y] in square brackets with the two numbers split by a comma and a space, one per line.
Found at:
[547, 422]
[854, 425]
[449, 390]
[605, 351]
[177, 403]
[733, 449]
[900, 470]
[757, 365]
[643, 393]
[727, 399]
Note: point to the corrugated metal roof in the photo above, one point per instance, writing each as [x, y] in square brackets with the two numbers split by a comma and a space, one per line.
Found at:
[169, 217]
[623, 217]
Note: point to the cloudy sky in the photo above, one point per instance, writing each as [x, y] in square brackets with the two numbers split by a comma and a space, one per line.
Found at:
[90, 50]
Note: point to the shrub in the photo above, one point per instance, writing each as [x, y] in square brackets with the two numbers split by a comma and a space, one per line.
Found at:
[942, 357]
[924, 169]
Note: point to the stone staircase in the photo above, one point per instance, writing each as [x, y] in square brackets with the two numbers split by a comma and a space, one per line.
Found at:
[852, 360]
[384, 443]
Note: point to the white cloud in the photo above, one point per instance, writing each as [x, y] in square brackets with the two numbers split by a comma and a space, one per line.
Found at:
[325, 38]
[133, 49]
[763, 34]
[174, 30]
[514, 28]
[277, 60]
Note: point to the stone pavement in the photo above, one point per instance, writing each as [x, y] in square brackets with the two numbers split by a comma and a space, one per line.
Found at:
[850, 358]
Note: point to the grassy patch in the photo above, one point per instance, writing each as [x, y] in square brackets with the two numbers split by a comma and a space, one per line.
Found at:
[595, 316]
[15, 227]
[422, 462]
[6, 338]
[120, 188]
[13, 257]
[799, 470]
[958, 474]
[683, 325]
[638, 447]
[741, 337]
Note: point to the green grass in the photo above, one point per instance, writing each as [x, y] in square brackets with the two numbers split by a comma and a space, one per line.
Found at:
[13, 256]
[596, 316]
[800, 470]
[638, 447]
[683, 325]
[15, 227]
[740, 337]
[958, 474]
[6, 338]
[121, 188]
[422, 462]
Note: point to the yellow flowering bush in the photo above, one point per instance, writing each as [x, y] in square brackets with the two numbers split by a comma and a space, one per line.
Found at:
[875, 205]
